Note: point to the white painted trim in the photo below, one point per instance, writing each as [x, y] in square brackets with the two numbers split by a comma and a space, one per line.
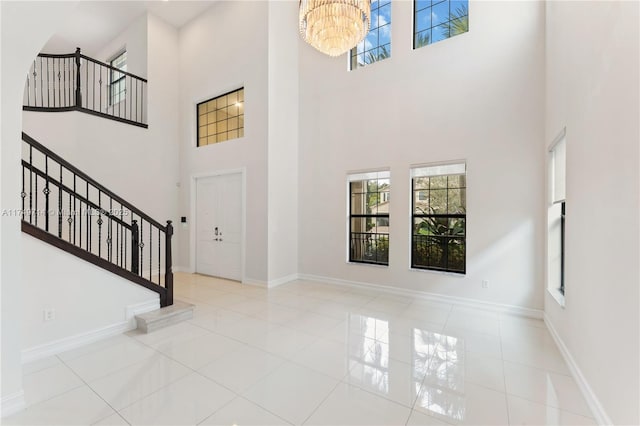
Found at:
[192, 231]
[460, 301]
[258, 283]
[282, 280]
[593, 402]
[72, 342]
[11, 404]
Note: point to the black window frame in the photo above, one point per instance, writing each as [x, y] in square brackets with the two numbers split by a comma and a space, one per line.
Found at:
[562, 240]
[450, 19]
[446, 265]
[386, 48]
[379, 237]
[115, 81]
[239, 129]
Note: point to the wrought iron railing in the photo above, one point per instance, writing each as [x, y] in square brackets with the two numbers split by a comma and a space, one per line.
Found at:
[75, 82]
[65, 207]
[369, 247]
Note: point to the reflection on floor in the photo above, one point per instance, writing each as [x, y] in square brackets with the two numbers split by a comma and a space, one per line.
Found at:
[310, 353]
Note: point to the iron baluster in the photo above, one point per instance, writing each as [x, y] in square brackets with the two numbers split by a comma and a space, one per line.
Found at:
[168, 277]
[78, 82]
[60, 205]
[46, 192]
[134, 246]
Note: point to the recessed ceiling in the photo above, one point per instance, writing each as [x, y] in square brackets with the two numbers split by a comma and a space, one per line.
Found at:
[95, 23]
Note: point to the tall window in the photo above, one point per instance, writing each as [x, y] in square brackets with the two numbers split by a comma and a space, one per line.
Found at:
[221, 118]
[377, 44]
[117, 80]
[556, 214]
[435, 20]
[369, 217]
[439, 217]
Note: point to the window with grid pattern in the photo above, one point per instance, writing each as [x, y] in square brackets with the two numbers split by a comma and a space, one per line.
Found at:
[436, 20]
[439, 205]
[221, 118]
[117, 80]
[369, 217]
[377, 44]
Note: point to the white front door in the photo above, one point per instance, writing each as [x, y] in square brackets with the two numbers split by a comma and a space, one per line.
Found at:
[219, 226]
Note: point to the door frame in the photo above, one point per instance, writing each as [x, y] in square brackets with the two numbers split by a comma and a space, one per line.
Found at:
[194, 220]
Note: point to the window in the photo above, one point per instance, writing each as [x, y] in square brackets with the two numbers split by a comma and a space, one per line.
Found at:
[439, 216]
[556, 215]
[438, 20]
[117, 80]
[377, 44]
[221, 118]
[369, 217]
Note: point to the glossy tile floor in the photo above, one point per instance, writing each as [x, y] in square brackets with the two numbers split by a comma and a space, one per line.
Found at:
[314, 354]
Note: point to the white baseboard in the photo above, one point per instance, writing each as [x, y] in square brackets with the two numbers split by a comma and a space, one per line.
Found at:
[282, 280]
[72, 342]
[596, 407]
[258, 283]
[460, 301]
[11, 404]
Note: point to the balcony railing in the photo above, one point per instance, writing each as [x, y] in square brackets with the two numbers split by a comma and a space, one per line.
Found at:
[75, 82]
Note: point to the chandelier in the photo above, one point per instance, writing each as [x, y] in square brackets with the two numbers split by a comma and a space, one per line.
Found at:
[334, 26]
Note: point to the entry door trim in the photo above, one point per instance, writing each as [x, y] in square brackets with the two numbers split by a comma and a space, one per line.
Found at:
[194, 220]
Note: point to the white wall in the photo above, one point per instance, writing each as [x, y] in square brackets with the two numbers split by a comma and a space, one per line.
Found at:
[18, 52]
[283, 140]
[88, 300]
[592, 88]
[477, 97]
[223, 49]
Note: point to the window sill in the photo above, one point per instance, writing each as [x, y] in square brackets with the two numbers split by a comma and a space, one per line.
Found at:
[375, 265]
[433, 271]
[557, 296]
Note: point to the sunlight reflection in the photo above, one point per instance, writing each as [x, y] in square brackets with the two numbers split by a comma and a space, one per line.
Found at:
[443, 390]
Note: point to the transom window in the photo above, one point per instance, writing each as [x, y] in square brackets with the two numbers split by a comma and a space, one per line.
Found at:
[439, 217]
[436, 20]
[377, 44]
[221, 118]
[117, 80]
[369, 217]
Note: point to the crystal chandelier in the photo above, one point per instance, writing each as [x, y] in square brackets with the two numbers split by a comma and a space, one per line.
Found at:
[334, 26]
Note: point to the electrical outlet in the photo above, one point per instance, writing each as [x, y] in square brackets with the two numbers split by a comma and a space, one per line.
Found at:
[49, 314]
[485, 283]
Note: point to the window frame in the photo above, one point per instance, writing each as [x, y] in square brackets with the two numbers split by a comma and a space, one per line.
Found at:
[556, 200]
[414, 33]
[350, 54]
[366, 177]
[197, 112]
[121, 94]
[413, 216]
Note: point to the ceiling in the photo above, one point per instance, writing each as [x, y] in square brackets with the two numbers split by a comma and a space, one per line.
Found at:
[95, 23]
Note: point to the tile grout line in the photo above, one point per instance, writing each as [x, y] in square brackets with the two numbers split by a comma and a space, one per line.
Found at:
[97, 394]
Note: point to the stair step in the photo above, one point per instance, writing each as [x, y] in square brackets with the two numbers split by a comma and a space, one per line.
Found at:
[164, 317]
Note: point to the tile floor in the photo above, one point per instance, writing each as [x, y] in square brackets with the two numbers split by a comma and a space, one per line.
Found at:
[314, 354]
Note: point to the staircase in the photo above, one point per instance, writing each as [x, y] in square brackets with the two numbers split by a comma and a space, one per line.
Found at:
[65, 207]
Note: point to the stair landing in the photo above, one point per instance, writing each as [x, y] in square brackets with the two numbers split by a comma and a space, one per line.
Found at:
[164, 317]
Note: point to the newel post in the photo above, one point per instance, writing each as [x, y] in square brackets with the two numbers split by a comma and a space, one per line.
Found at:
[135, 246]
[168, 261]
[78, 92]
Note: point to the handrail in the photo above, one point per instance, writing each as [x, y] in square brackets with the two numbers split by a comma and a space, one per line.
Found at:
[76, 82]
[28, 139]
[92, 222]
[119, 71]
